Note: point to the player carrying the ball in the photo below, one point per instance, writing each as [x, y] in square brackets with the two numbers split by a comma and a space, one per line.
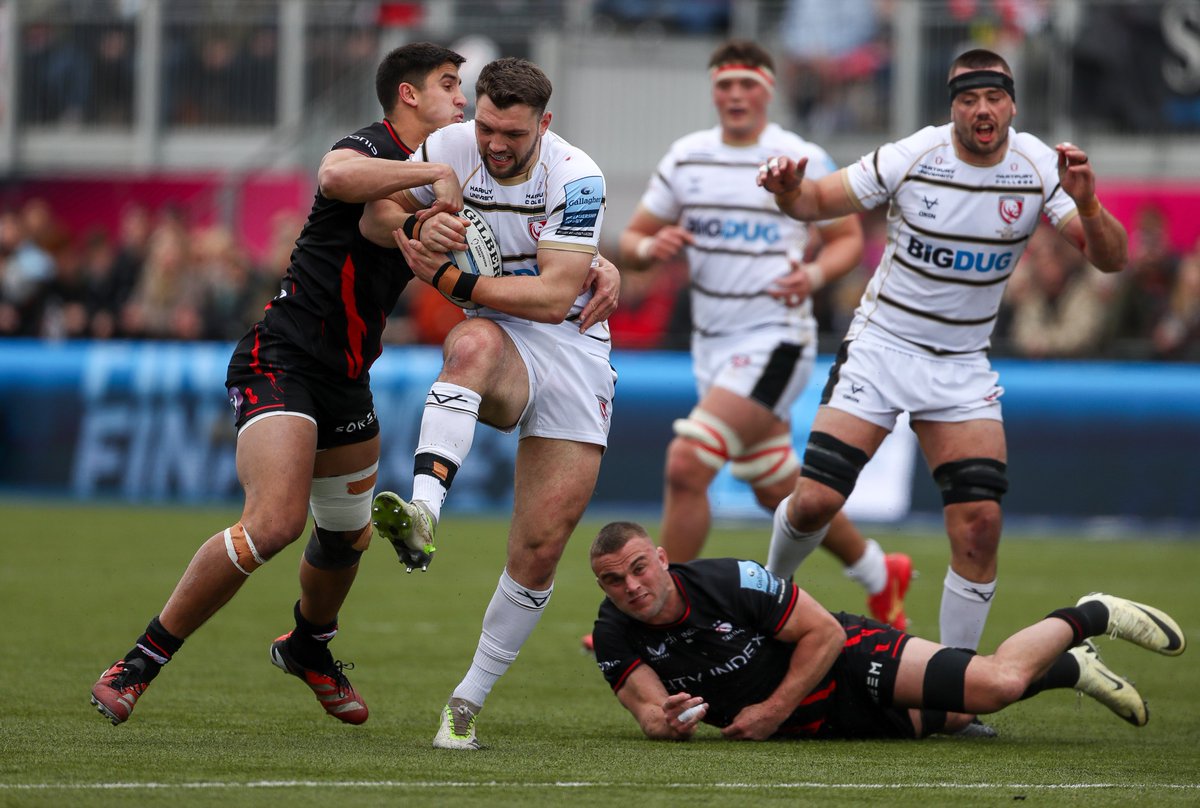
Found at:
[533, 356]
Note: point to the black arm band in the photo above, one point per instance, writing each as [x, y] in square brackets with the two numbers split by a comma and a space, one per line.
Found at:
[410, 226]
[437, 276]
[465, 285]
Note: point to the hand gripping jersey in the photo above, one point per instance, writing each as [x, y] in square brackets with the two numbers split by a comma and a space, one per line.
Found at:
[558, 204]
[339, 287]
[955, 233]
[742, 240]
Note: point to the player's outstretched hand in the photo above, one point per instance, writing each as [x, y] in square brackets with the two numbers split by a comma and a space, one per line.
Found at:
[782, 175]
[604, 279]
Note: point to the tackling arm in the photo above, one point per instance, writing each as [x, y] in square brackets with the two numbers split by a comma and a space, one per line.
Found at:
[819, 639]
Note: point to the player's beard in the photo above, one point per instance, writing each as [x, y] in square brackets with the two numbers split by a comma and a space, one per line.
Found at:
[518, 167]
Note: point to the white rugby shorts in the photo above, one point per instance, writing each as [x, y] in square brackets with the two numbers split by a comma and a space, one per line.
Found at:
[571, 381]
[877, 381]
[766, 366]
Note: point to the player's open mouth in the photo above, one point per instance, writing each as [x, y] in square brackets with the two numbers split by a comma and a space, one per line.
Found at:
[986, 132]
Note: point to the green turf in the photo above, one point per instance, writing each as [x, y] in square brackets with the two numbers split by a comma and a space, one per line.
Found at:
[221, 726]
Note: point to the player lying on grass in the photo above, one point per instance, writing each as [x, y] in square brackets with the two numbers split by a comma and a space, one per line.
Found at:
[726, 642]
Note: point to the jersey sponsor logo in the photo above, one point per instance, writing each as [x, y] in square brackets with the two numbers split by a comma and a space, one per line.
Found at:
[657, 652]
[357, 425]
[722, 627]
[585, 197]
[1011, 207]
[961, 260]
[873, 674]
[733, 229]
[478, 193]
[934, 171]
[604, 408]
[929, 206]
[235, 401]
[753, 576]
[368, 144]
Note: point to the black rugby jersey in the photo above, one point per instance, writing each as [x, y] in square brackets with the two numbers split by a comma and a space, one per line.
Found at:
[723, 648]
[339, 287]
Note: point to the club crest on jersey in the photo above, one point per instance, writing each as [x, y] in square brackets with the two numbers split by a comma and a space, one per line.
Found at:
[1011, 208]
[535, 225]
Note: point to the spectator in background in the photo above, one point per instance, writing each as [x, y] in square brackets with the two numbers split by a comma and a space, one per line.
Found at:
[26, 272]
[1142, 293]
[1177, 333]
[1059, 307]
[168, 298]
[837, 63]
[55, 80]
[111, 102]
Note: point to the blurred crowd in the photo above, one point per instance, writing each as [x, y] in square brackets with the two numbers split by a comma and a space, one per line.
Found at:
[160, 277]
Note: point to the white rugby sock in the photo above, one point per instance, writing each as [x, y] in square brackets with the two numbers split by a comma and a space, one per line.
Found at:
[965, 606]
[870, 571]
[789, 546]
[447, 431]
[509, 620]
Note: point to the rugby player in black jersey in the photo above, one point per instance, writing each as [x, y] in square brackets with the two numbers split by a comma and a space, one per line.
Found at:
[307, 362]
[726, 642]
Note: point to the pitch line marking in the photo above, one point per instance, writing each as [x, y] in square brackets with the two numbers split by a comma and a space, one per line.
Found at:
[402, 784]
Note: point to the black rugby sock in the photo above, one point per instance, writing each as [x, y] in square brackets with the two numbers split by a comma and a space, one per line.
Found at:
[155, 648]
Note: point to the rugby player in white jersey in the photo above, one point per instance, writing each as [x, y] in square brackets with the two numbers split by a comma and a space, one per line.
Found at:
[754, 337]
[533, 357]
[964, 199]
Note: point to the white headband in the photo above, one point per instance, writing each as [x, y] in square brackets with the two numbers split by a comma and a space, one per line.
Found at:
[763, 75]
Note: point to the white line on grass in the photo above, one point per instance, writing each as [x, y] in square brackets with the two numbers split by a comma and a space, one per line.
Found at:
[402, 784]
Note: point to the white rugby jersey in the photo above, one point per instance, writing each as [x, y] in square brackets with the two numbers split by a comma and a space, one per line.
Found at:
[743, 241]
[557, 204]
[955, 233]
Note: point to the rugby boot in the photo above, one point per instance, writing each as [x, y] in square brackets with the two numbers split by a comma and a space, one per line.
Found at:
[328, 683]
[457, 727]
[118, 689]
[1140, 624]
[887, 606]
[1114, 692]
[409, 526]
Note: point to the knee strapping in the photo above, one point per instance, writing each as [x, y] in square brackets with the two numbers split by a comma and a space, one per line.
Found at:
[974, 479]
[766, 462]
[241, 550]
[832, 462]
[945, 680]
[718, 443]
[343, 503]
[328, 550]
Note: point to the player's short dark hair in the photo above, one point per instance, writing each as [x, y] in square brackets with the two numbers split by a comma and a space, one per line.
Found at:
[511, 81]
[742, 52]
[981, 59]
[615, 535]
[409, 64]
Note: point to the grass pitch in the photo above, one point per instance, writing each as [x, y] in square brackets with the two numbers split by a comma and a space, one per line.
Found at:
[221, 726]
